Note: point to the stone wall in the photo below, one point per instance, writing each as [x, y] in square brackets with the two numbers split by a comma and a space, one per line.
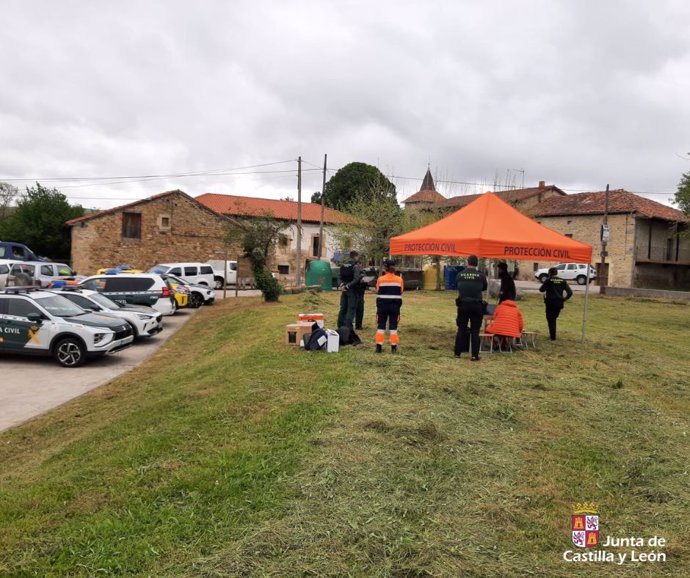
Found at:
[586, 228]
[173, 229]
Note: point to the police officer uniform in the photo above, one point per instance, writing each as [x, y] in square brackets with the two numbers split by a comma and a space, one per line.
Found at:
[349, 288]
[554, 289]
[471, 284]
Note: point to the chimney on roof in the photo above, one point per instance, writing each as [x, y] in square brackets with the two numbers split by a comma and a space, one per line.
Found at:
[542, 184]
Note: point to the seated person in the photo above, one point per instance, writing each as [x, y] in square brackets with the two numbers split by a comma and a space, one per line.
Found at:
[507, 322]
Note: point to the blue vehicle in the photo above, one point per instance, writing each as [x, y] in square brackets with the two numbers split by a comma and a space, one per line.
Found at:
[16, 252]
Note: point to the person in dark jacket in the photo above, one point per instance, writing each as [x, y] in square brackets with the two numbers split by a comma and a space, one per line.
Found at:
[507, 292]
[350, 276]
[471, 283]
[556, 292]
[359, 316]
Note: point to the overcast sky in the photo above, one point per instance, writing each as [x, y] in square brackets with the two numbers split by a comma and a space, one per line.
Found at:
[576, 93]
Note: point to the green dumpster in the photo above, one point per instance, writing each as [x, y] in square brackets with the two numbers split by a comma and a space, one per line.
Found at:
[319, 273]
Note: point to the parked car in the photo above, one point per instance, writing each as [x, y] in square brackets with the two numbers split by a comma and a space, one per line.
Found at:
[197, 273]
[198, 294]
[230, 275]
[35, 322]
[17, 273]
[569, 272]
[16, 252]
[134, 289]
[47, 272]
[145, 321]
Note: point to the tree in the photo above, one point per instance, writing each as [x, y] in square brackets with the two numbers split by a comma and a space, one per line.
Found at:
[376, 221]
[257, 235]
[39, 222]
[353, 181]
[683, 194]
[7, 194]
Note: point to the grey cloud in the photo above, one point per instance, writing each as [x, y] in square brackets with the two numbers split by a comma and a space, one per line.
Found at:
[576, 93]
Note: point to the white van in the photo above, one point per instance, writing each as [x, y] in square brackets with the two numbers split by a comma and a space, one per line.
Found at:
[197, 273]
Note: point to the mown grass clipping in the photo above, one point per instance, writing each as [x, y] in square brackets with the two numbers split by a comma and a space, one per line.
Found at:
[231, 454]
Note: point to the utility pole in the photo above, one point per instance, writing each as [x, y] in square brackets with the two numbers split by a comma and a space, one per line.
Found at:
[604, 240]
[298, 274]
[323, 200]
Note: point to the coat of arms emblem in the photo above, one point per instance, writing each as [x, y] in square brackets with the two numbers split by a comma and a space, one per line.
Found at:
[584, 524]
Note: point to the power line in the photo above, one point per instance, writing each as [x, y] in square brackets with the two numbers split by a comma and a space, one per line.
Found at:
[162, 176]
[477, 184]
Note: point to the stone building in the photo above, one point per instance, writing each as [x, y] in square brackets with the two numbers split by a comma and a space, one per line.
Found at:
[169, 227]
[284, 260]
[646, 246]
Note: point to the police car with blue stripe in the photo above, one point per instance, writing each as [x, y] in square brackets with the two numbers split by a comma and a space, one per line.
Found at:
[34, 322]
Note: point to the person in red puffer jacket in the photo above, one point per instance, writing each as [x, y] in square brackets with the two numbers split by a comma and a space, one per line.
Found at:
[507, 322]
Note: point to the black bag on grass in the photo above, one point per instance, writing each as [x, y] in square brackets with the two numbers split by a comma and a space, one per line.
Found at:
[348, 336]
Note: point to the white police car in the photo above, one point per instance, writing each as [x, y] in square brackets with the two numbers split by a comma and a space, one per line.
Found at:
[145, 321]
[34, 322]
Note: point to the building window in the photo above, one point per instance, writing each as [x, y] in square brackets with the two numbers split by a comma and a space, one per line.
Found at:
[283, 240]
[131, 225]
[284, 269]
[164, 222]
[315, 242]
[569, 235]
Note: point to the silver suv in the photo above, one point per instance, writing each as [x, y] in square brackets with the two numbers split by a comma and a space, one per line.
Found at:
[145, 321]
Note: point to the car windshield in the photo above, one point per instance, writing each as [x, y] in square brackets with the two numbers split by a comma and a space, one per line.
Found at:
[103, 301]
[177, 280]
[59, 306]
[159, 270]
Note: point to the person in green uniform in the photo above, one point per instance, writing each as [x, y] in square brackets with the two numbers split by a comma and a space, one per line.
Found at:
[350, 276]
[471, 284]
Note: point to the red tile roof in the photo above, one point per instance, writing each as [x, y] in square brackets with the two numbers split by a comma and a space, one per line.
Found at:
[511, 196]
[105, 212]
[620, 201]
[238, 206]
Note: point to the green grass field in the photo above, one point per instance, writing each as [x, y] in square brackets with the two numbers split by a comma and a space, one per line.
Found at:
[231, 454]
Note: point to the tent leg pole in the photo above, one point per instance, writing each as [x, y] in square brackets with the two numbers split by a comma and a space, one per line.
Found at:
[584, 309]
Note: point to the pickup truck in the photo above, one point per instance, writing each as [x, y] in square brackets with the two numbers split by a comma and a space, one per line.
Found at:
[230, 276]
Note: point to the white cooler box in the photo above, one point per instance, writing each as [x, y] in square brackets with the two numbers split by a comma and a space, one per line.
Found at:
[333, 345]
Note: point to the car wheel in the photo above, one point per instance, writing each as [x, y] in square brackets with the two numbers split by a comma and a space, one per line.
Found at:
[196, 300]
[70, 352]
[543, 277]
[218, 283]
[581, 279]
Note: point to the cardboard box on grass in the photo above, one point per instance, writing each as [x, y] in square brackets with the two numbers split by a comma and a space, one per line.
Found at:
[295, 331]
[317, 318]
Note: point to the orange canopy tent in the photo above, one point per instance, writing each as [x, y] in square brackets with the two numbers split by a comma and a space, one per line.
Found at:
[490, 227]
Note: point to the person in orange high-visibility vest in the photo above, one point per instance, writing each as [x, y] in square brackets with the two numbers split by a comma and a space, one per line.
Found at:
[389, 290]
